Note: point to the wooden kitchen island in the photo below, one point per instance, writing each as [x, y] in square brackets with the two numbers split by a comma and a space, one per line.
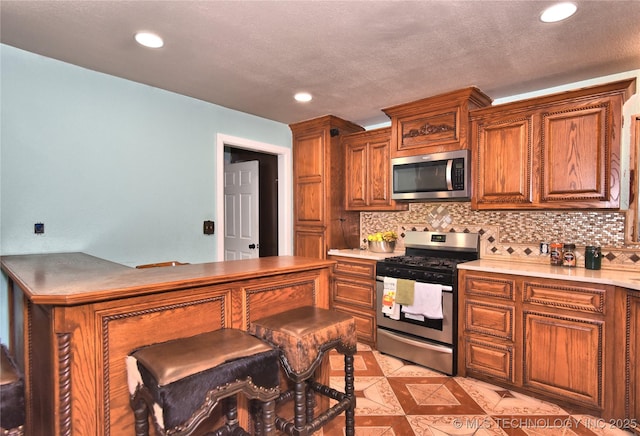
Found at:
[74, 318]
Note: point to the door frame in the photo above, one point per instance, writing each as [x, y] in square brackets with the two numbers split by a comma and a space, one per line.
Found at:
[285, 178]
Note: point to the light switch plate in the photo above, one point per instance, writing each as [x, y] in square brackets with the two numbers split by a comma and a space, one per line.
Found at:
[208, 227]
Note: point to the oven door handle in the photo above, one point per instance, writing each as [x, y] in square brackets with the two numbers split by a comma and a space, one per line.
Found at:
[422, 345]
[444, 287]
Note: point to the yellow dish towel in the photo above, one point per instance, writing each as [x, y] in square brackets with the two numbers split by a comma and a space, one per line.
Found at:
[405, 291]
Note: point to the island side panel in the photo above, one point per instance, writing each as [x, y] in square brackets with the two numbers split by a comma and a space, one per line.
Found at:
[18, 312]
[75, 344]
[261, 298]
[125, 326]
[41, 362]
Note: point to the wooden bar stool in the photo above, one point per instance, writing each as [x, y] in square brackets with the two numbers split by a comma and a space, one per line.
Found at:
[12, 409]
[303, 336]
[180, 382]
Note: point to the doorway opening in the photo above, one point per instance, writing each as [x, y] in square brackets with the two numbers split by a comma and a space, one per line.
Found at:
[266, 228]
[275, 195]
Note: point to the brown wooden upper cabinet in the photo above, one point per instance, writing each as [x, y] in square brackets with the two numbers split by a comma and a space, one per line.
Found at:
[368, 171]
[434, 124]
[554, 152]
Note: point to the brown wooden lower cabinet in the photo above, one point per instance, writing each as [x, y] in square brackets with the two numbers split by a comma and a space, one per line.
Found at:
[353, 291]
[631, 359]
[487, 313]
[310, 243]
[570, 342]
[563, 356]
[629, 315]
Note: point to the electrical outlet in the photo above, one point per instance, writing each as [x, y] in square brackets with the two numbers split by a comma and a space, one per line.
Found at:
[544, 248]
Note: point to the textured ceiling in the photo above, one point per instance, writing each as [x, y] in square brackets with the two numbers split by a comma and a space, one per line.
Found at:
[355, 57]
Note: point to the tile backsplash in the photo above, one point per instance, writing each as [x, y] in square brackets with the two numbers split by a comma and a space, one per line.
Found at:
[515, 235]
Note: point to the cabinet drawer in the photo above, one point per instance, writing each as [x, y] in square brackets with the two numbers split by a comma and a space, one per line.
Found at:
[489, 359]
[356, 268]
[489, 287]
[583, 299]
[353, 292]
[489, 319]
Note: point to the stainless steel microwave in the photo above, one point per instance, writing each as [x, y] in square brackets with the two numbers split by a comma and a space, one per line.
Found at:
[436, 176]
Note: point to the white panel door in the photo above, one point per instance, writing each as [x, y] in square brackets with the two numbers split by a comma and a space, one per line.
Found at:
[241, 203]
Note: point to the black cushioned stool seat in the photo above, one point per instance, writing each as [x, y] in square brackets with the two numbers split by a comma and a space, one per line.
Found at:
[303, 336]
[11, 396]
[181, 381]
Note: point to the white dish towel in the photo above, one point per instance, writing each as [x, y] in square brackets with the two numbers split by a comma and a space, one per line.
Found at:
[389, 305]
[427, 301]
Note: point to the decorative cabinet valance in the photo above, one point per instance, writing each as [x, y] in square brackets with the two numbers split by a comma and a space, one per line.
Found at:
[434, 124]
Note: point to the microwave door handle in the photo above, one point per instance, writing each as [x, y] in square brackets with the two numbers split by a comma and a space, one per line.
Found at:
[448, 175]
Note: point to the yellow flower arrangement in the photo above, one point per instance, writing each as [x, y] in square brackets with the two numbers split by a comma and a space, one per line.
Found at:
[386, 236]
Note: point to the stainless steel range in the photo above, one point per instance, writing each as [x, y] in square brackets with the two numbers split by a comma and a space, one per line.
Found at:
[428, 265]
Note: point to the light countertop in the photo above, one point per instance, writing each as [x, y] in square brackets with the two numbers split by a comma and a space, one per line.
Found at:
[362, 254]
[625, 278]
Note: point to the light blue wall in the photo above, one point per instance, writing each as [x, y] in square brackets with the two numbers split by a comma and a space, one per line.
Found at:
[113, 168]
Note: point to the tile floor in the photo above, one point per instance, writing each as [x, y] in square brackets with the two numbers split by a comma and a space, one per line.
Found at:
[395, 398]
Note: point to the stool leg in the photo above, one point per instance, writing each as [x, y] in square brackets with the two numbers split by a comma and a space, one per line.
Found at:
[311, 402]
[299, 412]
[256, 410]
[231, 406]
[269, 418]
[141, 415]
[349, 390]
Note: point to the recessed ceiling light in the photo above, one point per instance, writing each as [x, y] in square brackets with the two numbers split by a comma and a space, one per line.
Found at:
[558, 12]
[303, 97]
[149, 39]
